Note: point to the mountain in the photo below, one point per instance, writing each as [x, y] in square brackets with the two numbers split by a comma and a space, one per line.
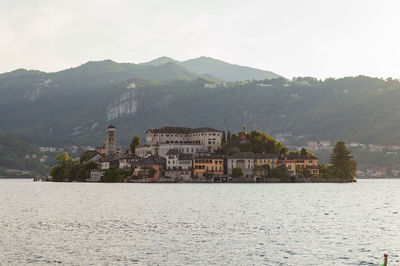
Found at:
[226, 71]
[74, 106]
[13, 155]
[219, 69]
[161, 61]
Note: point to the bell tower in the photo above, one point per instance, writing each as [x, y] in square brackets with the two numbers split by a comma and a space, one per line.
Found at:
[111, 143]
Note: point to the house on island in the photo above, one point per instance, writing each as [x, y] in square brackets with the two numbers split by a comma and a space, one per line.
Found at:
[144, 168]
[242, 160]
[127, 161]
[178, 165]
[293, 161]
[186, 140]
[263, 161]
[212, 164]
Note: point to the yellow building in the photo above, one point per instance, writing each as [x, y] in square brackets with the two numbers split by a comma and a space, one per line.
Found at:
[261, 160]
[212, 164]
[309, 162]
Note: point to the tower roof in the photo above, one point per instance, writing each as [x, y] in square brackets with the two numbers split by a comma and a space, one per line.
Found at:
[111, 126]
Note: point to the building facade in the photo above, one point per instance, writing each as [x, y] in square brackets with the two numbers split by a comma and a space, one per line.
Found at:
[291, 162]
[162, 149]
[210, 139]
[264, 160]
[144, 166]
[242, 160]
[179, 165]
[128, 160]
[110, 144]
[211, 164]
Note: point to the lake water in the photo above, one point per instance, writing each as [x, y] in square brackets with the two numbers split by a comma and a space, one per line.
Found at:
[199, 224]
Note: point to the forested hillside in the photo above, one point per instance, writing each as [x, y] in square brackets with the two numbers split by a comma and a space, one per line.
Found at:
[75, 105]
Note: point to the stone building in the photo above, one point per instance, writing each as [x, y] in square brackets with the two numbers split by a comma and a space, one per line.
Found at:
[211, 164]
[144, 166]
[110, 144]
[162, 149]
[128, 160]
[242, 160]
[209, 138]
[179, 165]
[186, 140]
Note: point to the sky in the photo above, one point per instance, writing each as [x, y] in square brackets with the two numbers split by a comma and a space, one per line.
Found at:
[318, 38]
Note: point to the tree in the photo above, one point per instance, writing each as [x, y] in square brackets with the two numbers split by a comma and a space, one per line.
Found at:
[84, 171]
[232, 152]
[343, 165]
[207, 175]
[114, 175]
[281, 174]
[237, 172]
[135, 143]
[303, 152]
[228, 136]
[283, 151]
[152, 172]
[67, 169]
[223, 137]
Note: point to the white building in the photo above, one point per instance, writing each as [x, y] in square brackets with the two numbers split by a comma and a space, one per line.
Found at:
[242, 160]
[209, 138]
[178, 165]
[186, 140]
[95, 175]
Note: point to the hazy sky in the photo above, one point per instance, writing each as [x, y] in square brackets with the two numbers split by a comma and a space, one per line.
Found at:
[320, 38]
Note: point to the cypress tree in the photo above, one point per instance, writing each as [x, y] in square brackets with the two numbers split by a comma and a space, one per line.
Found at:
[223, 137]
[135, 142]
[343, 165]
[229, 135]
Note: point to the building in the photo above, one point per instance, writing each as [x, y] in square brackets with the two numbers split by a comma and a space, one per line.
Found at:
[211, 164]
[128, 160]
[290, 166]
[95, 157]
[110, 144]
[291, 162]
[179, 165]
[95, 175]
[209, 138]
[242, 160]
[262, 160]
[162, 149]
[108, 162]
[144, 166]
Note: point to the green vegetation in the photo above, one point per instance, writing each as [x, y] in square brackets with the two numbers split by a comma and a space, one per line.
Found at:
[237, 172]
[69, 170]
[152, 172]
[114, 175]
[342, 164]
[134, 143]
[258, 142]
[70, 106]
[278, 173]
[16, 153]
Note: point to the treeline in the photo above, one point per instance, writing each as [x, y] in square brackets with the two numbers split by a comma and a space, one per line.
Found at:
[12, 155]
[71, 170]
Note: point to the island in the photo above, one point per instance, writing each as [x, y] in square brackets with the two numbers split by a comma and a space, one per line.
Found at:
[202, 155]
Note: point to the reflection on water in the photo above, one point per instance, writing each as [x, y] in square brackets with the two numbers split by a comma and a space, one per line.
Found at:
[199, 224]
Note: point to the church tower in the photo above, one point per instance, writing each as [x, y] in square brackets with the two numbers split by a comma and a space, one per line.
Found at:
[111, 143]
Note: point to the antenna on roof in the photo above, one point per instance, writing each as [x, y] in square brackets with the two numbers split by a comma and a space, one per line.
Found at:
[148, 121]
